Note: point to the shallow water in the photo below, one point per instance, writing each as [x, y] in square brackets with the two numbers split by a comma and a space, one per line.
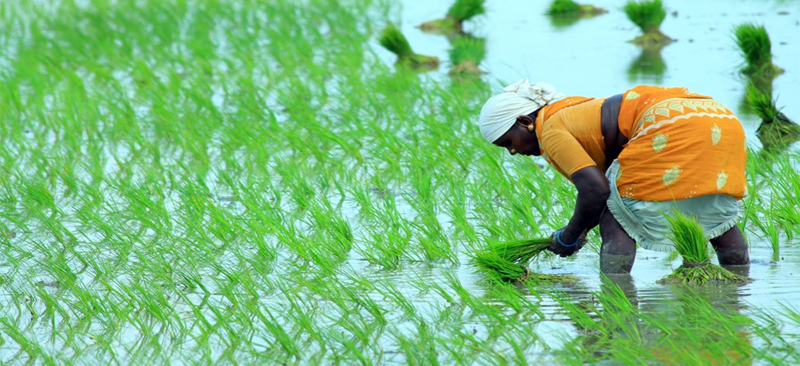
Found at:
[593, 58]
[191, 296]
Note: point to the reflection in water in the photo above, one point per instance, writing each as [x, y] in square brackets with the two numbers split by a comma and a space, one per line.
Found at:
[776, 131]
[564, 13]
[672, 325]
[761, 83]
[649, 66]
[466, 54]
[564, 21]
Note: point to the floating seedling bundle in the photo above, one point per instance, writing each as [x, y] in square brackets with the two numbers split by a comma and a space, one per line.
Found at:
[393, 40]
[569, 8]
[775, 128]
[466, 54]
[754, 43]
[507, 261]
[460, 11]
[648, 16]
[691, 244]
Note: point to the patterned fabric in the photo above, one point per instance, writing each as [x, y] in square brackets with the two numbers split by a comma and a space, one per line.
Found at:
[681, 145]
[569, 134]
[644, 220]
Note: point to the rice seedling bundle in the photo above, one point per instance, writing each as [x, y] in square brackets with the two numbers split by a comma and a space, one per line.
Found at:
[466, 54]
[393, 40]
[756, 47]
[776, 127]
[569, 8]
[691, 243]
[460, 11]
[506, 261]
[648, 16]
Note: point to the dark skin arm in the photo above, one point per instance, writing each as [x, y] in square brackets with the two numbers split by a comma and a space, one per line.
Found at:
[592, 185]
[593, 191]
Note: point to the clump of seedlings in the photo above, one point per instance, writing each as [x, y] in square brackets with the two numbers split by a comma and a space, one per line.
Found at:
[466, 54]
[569, 8]
[775, 126]
[648, 16]
[393, 40]
[460, 11]
[692, 245]
[754, 43]
[507, 261]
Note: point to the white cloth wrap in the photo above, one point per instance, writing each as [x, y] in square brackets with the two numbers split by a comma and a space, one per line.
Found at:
[645, 221]
[521, 98]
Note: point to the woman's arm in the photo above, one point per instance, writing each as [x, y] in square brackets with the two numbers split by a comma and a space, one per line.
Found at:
[593, 191]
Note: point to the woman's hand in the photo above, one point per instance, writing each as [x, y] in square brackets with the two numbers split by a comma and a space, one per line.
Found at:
[565, 248]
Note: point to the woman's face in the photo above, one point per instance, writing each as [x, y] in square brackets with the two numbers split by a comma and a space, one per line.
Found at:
[519, 140]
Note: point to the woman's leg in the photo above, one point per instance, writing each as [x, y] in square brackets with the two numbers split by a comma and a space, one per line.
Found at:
[731, 247]
[618, 250]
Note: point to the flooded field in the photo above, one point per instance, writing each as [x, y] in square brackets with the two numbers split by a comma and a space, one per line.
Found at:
[239, 181]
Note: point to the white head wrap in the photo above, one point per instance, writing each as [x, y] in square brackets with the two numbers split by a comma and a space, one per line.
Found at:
[521, 98]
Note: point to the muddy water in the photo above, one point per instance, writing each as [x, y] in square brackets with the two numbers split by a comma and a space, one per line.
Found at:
[591, 57]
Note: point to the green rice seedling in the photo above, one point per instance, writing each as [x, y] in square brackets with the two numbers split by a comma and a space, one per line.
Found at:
[466, 54]
[459, 12]
[764, 219]
[776, 127]
[648, 16]
[506, 261]
[498, 268]
[571, 9]
[755, 46]
[692, 244]
[393, 40]
[520, 251]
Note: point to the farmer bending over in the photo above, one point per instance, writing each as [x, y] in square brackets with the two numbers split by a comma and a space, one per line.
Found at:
[633, 157]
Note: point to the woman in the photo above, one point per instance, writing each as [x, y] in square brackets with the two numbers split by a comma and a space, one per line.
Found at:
[633, 157]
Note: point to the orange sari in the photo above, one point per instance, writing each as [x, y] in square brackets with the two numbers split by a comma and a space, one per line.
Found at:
[681, 144]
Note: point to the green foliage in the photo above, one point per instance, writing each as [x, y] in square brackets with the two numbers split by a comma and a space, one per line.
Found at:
[756, 47]
[506, 261]
[692, 245]
[496, 267]
[646, 14]
[462, 10]
[393, 40]
[761, 103]
[465, 48]
[688, 237]
[563, 8]
[520, 251]
[267, 192]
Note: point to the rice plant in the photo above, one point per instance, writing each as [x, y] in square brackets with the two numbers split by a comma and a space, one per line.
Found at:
[466, 54]
[246, 191]
[692, 245]
[459, 12]
[507, 261]
[756, 47]
[393, 40]
[776, 129]
[569, 8]
[648, 16]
